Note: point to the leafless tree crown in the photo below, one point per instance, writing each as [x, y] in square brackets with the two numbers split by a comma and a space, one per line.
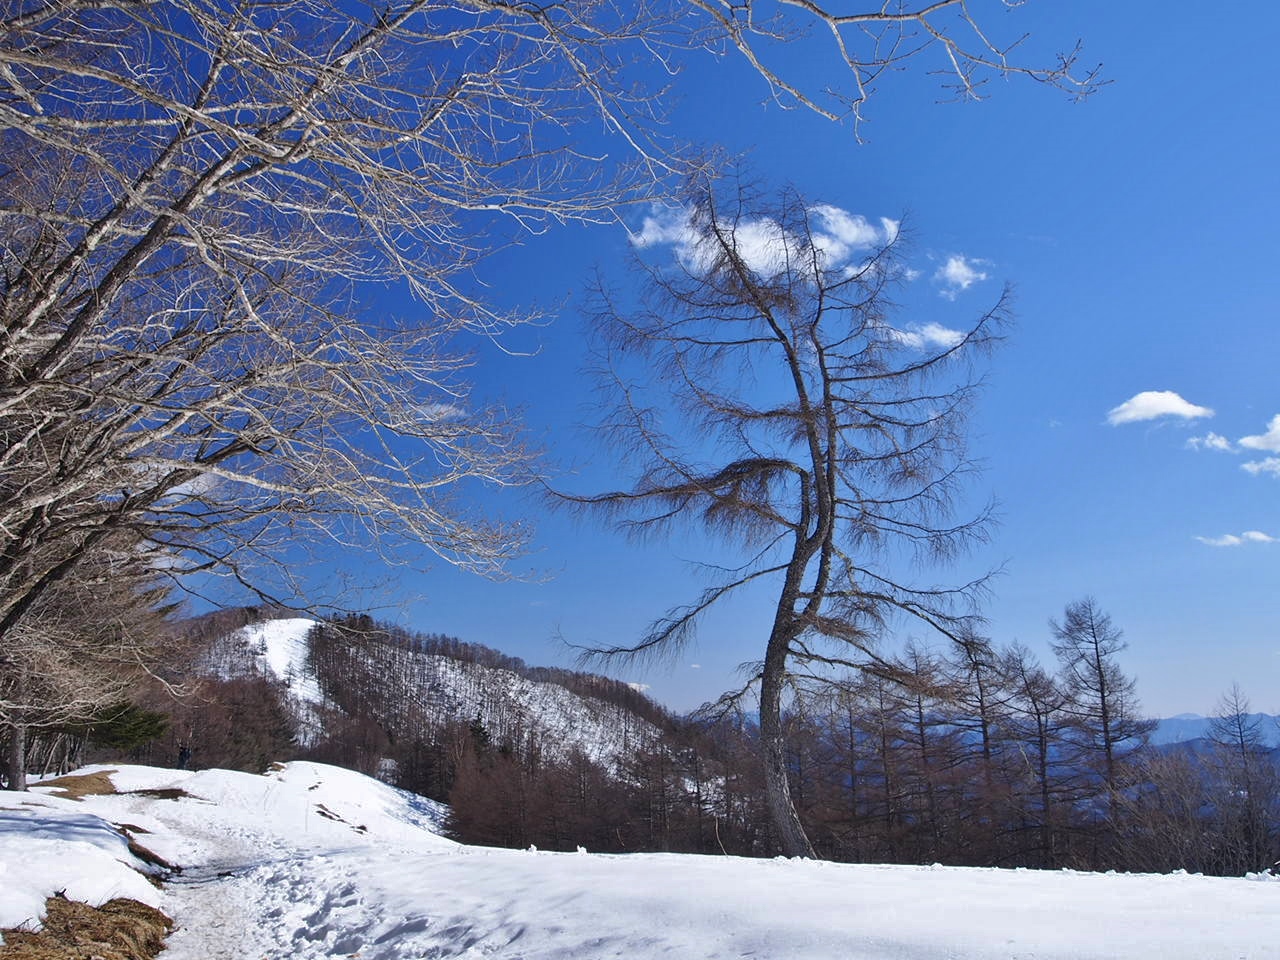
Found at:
[765, 393]
[769, 394]
[192, 193]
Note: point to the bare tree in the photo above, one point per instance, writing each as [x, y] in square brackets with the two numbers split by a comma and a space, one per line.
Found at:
[190, 190]
[87, 645]
[1043, 782]
[1246, 788]
[195, 196]
[1102, 699]
[792, 417]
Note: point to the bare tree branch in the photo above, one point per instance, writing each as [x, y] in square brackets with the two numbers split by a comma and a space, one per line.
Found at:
[786, 411]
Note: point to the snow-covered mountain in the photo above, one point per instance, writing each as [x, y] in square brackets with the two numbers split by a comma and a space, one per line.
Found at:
[1186, 727]
[413, 691]
[276, 649]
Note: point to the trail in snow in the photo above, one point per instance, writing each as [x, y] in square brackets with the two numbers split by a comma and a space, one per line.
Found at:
[315, 862]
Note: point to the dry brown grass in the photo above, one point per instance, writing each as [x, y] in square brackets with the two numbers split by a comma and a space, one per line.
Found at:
[82, 785]
[118, 930]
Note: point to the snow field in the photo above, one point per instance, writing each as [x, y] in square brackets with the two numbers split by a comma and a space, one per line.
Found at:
[311, 861]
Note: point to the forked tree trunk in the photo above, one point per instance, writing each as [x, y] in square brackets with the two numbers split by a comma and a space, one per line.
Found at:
[777, 787]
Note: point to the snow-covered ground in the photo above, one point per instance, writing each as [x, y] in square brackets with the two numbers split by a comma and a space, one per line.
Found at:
[313, 861]
[281, 648]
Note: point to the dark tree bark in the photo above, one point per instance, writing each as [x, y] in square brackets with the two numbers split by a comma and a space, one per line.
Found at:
[841, 437]
[16, 757]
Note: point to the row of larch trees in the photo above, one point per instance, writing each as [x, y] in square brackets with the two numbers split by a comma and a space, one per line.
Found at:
[981, 756]
[1214, 810]
[973, 756]
[976, 756]
[767, 393]
[196, 199]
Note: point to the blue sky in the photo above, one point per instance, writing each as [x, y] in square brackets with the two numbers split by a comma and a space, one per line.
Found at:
[1139, 229]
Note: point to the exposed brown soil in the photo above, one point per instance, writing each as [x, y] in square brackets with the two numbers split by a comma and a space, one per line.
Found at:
[120, 929]
[147, 855]
[160, 793]
[82, 785]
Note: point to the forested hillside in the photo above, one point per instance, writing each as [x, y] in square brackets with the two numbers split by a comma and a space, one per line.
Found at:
[977, 757]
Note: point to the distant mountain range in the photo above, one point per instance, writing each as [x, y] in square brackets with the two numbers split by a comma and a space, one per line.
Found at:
[1191, 726]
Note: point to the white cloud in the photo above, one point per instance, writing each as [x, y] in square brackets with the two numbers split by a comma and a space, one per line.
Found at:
[842, 233]
[695, 666]
[1152, 404]
[1269, 441]
[668, 226]
[763, 245]
[839, 236]
[931, 335]
[958, 274]
[1226, 540]
[1232, 540]
[1211, 441]
[1270, 465]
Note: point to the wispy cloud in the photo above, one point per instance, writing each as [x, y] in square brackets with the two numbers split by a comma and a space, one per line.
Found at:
[841, 238]
[1270, 465]
[1153, 404]
[930, 336]
[1211, 441]
[1269, 441]
[958, 274]
[1234, 540]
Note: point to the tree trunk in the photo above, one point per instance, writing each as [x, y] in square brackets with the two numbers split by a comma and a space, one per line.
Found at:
[16, 758]
[777, 789]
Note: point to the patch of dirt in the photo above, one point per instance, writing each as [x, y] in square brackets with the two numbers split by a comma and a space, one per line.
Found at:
[76, 786]
[330, 815]
[145, 854]
[120, 929]
[163, 793]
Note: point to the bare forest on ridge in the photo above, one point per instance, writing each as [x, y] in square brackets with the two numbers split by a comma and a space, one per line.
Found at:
[979, 757]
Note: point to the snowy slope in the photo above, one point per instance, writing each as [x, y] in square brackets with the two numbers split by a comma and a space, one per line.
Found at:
[513, 708]
[416, 692]
[311, 861]
[280, 647]
[276, 649]
[421, 692]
